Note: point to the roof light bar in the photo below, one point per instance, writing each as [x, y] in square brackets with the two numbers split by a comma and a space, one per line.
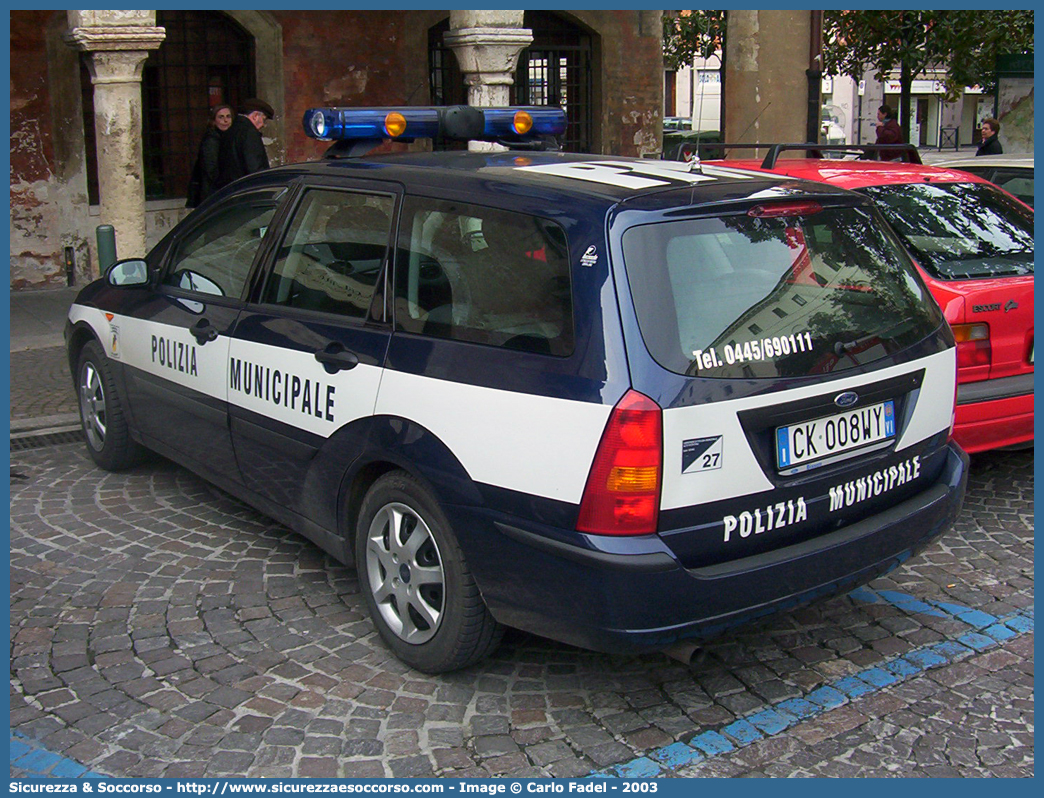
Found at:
[521, 123]
[459, 122]
[340, 124]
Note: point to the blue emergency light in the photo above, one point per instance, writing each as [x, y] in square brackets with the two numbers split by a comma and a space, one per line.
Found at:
[456, 122]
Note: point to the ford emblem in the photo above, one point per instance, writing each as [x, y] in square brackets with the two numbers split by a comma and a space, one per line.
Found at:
[846, 399]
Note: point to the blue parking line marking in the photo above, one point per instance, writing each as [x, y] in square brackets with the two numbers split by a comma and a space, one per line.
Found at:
[38, 760]
[878, 677]
[18, 749]
[925, 659]
[67, 769]
[642, 768]
[29, 760]
[853, 686]
[743, 732]
[902, 668]
[950, 649]
[977, 641]
[770, 721]
[975, 618]
[827, 697]
[773, 720]
[865, 595]
[911, 604]
[1000, 632]
[798, 707]
[712, 743]
[677, 755]
[1020, 624]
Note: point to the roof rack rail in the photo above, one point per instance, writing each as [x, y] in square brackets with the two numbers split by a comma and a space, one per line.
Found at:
[872, 152]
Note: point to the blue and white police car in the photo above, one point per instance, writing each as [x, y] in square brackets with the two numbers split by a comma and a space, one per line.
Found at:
[619, 403]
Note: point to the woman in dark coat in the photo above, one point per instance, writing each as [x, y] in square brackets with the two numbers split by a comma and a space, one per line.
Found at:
[205, 173]
[990, 143]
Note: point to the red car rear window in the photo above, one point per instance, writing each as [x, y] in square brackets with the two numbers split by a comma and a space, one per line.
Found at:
[959, 231]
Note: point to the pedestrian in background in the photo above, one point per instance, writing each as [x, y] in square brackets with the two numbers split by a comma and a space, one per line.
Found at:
[205, 173]
[990, 143]
[242, 150]
[888, 131]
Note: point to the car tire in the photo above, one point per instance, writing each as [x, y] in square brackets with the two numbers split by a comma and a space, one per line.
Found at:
[415, 581]
[102, 415]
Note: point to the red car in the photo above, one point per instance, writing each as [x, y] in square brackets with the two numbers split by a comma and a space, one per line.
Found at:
[973, 244]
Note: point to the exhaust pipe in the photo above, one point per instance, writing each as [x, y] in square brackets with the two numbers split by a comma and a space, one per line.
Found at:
[683, 651]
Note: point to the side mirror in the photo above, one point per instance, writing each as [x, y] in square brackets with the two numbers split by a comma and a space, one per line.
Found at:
[128, 273]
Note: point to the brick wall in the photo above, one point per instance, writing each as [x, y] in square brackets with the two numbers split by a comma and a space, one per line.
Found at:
[31, 147]
[628, 79]
[46, 201]
[340, 58]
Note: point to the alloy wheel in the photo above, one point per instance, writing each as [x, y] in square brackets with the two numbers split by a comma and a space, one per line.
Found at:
[93, 410]
[405, 573]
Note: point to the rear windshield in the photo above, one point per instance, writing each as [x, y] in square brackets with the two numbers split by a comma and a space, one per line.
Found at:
[774, 296]
[960, 230]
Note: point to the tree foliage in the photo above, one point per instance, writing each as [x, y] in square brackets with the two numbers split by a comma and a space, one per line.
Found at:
[963, 43]
[691, 34]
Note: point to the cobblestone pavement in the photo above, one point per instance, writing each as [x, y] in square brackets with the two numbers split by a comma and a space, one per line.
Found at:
[161, 628]
[41, 385]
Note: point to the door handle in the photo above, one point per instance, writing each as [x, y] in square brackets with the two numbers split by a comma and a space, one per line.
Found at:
[203, 331]
[335, 358]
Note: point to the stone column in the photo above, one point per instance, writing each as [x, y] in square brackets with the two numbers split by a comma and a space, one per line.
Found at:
[118, 43]
[766, 86]
[487, 44]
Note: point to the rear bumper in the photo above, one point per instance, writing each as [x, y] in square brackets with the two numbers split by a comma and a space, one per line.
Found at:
[641, 598]
[990, 416]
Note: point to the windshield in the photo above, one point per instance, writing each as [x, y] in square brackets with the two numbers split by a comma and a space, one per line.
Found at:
[960, 230]
[791, 296]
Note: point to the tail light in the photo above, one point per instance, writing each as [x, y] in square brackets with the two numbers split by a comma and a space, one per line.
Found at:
[785, 209]
[973, 351]
[622, 496]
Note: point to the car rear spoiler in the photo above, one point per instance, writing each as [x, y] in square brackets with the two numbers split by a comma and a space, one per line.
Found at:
[868, 152]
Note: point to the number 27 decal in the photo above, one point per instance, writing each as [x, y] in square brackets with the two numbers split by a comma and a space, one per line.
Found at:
[701, 454]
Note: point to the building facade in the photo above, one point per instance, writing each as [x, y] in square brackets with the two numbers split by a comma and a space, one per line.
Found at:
[74, 115]
[849, 114]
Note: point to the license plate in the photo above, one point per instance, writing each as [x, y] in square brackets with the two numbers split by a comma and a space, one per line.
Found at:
[832, 435]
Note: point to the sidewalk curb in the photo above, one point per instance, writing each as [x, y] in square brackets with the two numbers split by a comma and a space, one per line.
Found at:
[42, 425]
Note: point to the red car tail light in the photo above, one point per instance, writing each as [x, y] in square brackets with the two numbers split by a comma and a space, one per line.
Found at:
[622, 496]
[974, 353]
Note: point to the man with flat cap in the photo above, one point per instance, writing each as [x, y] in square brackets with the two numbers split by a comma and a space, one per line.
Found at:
[242, 150]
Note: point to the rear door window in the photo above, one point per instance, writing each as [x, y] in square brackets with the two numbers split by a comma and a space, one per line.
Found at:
[484, 275]
[743, 296]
